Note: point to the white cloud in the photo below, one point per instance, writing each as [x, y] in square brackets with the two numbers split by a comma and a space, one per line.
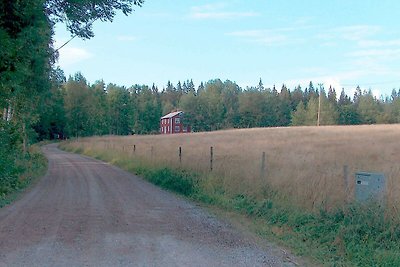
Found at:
[262, 33]
[261, 36]
[70, 55]
[327, 81]
[377, 93]
[303, 21]
[350, 33]
[217, 11]
[163, 15]
[209, 7]
[357, 32]
[336, 80]
[126, 38]
[370, 52]
[270, 37]
[386, 53]
[348, 80]
[222, 15]
[379, 43]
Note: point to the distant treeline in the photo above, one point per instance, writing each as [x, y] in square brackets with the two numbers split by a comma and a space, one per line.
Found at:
[76, 108]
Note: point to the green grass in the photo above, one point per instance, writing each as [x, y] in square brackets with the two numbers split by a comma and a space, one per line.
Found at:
[28, 169]
[354, 235]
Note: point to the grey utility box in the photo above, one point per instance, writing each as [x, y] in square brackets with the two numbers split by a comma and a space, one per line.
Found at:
[370, 186]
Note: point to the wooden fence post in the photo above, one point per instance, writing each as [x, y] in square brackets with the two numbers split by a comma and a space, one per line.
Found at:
[211, 158]
[263, 165]
[180, 155]
[134, 149]
[346, 181]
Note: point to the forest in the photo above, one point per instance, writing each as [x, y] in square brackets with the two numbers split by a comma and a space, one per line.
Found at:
[76, 108]
[29, 79]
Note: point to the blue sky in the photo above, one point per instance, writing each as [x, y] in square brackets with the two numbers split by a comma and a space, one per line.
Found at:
[339, 43]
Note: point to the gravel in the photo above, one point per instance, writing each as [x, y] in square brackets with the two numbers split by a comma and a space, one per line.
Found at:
[84, 212]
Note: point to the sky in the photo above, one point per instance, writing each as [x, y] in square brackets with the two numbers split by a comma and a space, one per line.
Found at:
[339, 43]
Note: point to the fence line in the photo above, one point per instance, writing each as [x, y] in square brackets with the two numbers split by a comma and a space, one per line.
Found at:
[211, 158]
[263, 169]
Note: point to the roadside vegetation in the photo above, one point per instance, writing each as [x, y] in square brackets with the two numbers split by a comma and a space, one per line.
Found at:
[19, 171]
[300, 200]
[31, 108]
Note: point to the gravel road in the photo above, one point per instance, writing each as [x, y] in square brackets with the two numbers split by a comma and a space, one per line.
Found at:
[88, 213]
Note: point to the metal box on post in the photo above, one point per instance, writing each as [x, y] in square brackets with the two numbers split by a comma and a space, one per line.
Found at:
[370, 186]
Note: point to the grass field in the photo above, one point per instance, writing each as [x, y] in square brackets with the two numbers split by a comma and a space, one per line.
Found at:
[304, 164]
[300, 200]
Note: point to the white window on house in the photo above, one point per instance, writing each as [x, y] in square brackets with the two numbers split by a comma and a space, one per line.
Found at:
[177, 129]
[177, 120]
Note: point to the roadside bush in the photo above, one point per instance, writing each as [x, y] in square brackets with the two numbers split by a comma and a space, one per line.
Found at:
[175, 180]
[17, 170]
[9, 169]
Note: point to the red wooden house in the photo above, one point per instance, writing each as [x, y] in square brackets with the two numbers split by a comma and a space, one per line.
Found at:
[173, 123]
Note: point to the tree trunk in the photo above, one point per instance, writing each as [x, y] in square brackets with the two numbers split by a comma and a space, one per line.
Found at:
[24, 139]
[9, 113]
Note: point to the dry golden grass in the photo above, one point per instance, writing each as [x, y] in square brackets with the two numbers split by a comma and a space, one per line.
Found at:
[304, 164]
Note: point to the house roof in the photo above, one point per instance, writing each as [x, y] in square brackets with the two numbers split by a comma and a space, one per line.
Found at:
[171, 115]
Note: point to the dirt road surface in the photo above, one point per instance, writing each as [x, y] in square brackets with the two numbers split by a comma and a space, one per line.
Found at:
[88, 213]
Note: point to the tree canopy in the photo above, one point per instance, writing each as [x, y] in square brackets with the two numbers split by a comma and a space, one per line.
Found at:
[111, 109]
[79, 15]
[32, 102]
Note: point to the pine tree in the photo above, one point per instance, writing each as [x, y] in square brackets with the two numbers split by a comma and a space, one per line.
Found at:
[332, 95]
[394, 95]
[260, 86]
[185, 87]
[310, 92]
[297, 97]
[299, 115]
[179, 88]
[357, 95]
[344, 99]
[201, 88]
[369, 108]
[154, 89]
[170, 87]
[191, 87]
[284, 108]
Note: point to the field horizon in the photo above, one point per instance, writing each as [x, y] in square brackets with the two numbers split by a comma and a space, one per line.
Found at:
[304, 163]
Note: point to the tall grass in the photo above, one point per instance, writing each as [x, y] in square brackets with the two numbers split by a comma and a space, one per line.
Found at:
[301, 198]
[304, 164]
